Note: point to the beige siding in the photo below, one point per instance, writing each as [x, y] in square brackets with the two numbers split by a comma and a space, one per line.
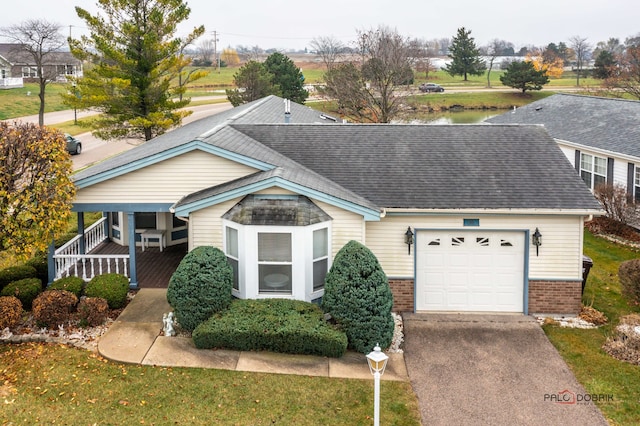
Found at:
[206, 224]
[165, 182]
[560, 253]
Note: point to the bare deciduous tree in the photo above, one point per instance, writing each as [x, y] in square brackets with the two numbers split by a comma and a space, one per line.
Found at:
[329, 49]
[372, 93]
[37, 41]
[206, 50]
[581, 49]
[626, 75]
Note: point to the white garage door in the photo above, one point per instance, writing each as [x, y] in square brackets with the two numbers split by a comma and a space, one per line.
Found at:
[470, 271]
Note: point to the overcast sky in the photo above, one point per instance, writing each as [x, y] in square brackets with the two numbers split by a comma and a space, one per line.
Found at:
[290, 24]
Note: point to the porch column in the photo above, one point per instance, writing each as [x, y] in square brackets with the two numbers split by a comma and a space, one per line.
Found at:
[133, 276]
[82, 247]
[51, 264]
[106, 225]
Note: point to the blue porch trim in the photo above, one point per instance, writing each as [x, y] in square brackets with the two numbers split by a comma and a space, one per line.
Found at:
[122, 207]
[170, 153]
[133, 272]
[369, 214]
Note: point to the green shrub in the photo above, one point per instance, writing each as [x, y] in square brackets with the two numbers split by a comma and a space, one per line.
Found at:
[200, 286]
[71, 283]
[629, 276]
[358, 297]
[277, 325]
[111, 287]
[93, 311]
[54, 307]
[10, 311]
[26, 290]
[15, 273]
[41, 265]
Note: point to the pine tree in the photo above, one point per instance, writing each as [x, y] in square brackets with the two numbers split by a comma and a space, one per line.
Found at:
[287, 77]
[135, 62]
[465, 56]
[523, 75]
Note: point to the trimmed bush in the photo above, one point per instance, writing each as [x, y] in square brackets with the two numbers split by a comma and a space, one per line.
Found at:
[358, 297]
[41, 265]
[111, 287]
[54, 307]
[72, 284]
[16, 273]
[200, 286]
[93, 311]
[629, 276]
[277, 325]
[26, 290]
[10, 311]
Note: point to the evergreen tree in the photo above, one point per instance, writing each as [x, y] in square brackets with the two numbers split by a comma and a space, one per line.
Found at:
[136, 61]
[287, 77]
[255, 82]
[465, 56]
[603, 66]
[522, 75]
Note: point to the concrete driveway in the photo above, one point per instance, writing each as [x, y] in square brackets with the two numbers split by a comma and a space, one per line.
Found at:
[491, 370]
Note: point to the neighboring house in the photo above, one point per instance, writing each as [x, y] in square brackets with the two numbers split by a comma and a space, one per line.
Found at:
[18, 66]
[281, 199]
[599, 136]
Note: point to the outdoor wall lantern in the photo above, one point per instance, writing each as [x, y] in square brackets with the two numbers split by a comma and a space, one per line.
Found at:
[377, 361]
[408, 238]
[536, 239]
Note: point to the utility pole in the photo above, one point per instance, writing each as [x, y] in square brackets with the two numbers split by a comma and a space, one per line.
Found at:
[215, 50]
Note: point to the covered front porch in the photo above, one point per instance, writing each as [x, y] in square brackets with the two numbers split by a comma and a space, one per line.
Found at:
[147, 256]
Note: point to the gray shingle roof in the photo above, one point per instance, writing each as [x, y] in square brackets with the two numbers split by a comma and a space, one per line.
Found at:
[383, 166]
[603, 123]
[265, 110]
[436, 167]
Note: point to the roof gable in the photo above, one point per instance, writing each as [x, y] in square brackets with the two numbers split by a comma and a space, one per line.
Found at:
[602, 123]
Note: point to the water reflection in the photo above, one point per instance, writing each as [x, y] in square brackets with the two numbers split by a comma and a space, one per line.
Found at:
[457, 117]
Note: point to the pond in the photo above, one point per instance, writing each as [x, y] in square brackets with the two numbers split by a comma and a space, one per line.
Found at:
[457, 117]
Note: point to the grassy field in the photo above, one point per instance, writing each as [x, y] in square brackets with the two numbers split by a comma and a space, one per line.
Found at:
[53, 384]
[598, 372]
[25, 101]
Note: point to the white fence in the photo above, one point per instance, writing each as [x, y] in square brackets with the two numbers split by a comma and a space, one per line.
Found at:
[70, 261]
[11, 83]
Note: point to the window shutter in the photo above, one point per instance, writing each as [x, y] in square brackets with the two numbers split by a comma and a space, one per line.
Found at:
[577, 161]
[631, 169]
[610, 171]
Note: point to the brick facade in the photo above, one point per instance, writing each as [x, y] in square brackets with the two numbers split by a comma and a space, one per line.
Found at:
[561, 297]
[403, 295]
[557, 297]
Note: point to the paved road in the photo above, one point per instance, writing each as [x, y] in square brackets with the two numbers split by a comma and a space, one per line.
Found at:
[491, 370]
[94, 149]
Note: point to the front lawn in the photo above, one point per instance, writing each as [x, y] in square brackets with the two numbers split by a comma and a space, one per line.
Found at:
[598, 372]
[55, 384]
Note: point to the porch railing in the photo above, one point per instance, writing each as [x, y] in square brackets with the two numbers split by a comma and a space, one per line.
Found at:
[70, 259]
[11, 83]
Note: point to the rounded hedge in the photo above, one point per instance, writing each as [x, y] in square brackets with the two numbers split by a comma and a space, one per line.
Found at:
[16, 273]
[26, 290]
[54, 307]
[71, 283]
[358, 297]
[111, 287]
[10, 311]
[200, 286]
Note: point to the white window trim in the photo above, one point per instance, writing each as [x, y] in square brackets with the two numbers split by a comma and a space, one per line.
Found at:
[592, 169]
[301, 265]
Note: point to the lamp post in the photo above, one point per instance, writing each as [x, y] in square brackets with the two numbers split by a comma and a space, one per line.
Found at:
[75, 107]
[377, 361]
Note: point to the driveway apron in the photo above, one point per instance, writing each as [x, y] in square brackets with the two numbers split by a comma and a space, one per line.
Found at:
[491, 370]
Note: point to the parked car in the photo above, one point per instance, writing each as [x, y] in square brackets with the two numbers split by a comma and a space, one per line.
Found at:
[74, 146]
[431, 87]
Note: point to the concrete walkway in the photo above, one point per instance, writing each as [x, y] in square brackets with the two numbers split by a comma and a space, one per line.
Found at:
[135, 338]
[491, 370]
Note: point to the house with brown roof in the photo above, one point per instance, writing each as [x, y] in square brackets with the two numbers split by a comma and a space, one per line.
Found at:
[17, 66]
